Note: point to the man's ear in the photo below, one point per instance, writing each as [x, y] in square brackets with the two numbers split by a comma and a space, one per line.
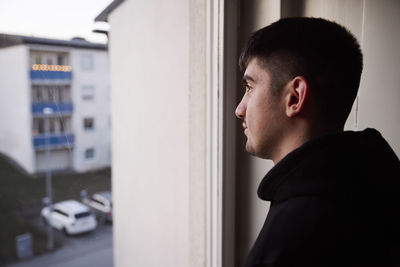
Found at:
[297, 93]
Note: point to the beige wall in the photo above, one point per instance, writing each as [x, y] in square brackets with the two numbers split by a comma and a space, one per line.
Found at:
[379, 95]
[149, 102]
[197, 136]
[157, 55]
[375, 24]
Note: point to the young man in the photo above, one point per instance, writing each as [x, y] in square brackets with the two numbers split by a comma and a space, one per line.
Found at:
[334, 194]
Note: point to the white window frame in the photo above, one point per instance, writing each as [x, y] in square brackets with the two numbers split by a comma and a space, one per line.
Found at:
[214, 89]
[221, 85]
[88, 92]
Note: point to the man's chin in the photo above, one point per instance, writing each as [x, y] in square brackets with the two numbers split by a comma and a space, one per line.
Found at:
[250, 149]
[254, 152]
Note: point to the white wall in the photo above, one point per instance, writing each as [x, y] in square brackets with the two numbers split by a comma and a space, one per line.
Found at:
[149, 49]
[379, 95]
[345, 12]
[197, 136]
[97, 108]
[15, 106]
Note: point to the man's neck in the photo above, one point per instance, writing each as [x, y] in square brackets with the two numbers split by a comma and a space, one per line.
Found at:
[300, 136]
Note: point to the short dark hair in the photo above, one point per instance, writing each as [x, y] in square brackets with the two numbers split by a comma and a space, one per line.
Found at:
[325, 53]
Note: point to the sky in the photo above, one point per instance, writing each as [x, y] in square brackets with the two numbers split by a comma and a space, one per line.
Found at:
[58, 19]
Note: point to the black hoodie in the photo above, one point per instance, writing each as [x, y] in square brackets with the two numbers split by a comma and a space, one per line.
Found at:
[334, 202]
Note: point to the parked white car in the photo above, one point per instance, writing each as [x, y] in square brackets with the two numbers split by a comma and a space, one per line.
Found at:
[70, 216]
[101, 205]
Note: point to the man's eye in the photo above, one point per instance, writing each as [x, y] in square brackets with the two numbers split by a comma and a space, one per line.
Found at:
[248, 88]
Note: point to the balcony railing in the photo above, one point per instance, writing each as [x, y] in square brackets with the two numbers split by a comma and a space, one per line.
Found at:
[50, 75]
[54, 141]
[57, 107]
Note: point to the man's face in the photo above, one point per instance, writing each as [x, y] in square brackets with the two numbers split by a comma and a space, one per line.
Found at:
[261, 112]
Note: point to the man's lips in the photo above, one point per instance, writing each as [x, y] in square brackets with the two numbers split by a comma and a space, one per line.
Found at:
[245, 128]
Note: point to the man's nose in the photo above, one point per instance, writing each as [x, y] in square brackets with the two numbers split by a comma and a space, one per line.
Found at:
[240, 111]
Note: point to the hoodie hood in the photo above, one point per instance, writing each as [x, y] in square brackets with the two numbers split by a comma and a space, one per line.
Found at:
[335, 165]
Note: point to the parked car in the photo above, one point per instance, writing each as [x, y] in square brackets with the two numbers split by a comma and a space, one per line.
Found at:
[101, 205]
[70, 216]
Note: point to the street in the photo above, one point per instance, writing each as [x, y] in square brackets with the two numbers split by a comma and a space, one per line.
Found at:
[91, 249]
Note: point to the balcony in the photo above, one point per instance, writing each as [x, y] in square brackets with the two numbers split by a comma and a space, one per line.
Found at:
[50, 72]
[59, 108]
[50, 75]
[54, 141]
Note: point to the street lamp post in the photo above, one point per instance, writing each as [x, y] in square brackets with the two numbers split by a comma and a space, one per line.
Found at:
[50, 236]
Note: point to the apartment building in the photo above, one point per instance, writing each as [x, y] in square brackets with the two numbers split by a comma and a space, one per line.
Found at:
[54, 94]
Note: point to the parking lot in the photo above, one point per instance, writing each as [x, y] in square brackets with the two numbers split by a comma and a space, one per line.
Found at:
[90, 249]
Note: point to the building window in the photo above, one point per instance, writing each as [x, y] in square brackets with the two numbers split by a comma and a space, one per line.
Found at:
[55, 124]
[60, 60]
[87, 92]
[52, 125]
[65, 93]
[56, 93]
[36, 94]
[36, 59]
[88, 123]
[87, 62]
[89, 153]
[38, 126]
[49, 59]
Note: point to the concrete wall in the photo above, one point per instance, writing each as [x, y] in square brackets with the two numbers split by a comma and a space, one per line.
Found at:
[377, 103]
[15, 130]
[158, 141]
[97, 108]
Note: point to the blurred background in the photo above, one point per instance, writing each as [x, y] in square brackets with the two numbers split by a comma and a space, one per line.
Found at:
[118, 140]
[55, 154]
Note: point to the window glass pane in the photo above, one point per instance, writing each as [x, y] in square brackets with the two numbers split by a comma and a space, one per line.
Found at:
[67, 76]
[61, 124]
[82, 215]
[60, 60]
[49, 60]
[98, 202]
[89, 153]
[40, 125]
[88, 123]
[52, 126]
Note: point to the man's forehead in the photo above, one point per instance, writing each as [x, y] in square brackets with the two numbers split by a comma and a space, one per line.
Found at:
[254, 71]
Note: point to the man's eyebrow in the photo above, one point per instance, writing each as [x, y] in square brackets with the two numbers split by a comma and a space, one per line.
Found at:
[247, 78]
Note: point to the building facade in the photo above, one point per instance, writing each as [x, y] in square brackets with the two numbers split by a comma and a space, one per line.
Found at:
[54, 95]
